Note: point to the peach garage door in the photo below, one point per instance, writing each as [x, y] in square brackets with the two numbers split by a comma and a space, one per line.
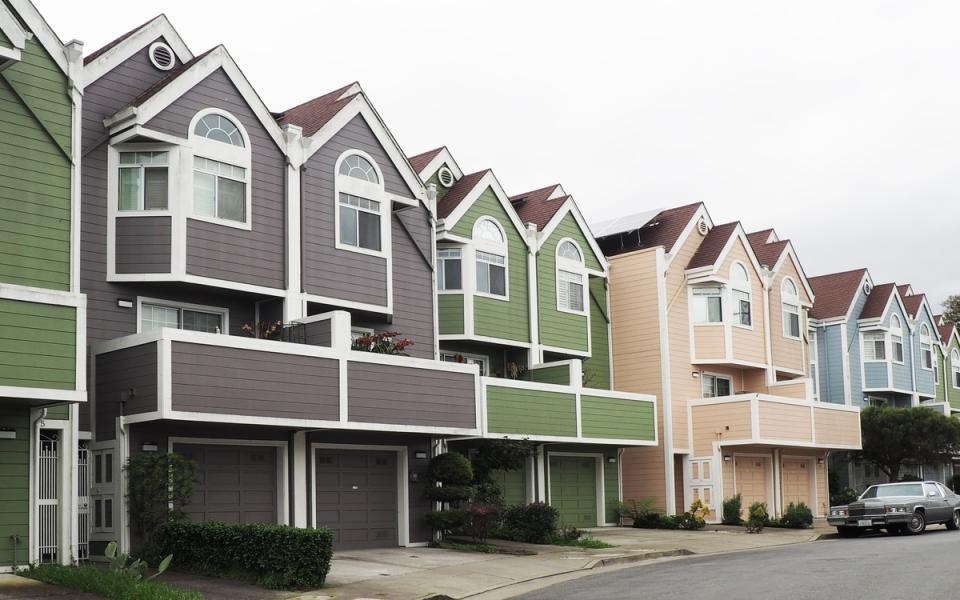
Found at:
[796, 481]
[751, 477]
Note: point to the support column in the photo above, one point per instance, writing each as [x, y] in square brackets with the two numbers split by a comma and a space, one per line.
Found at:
[541, 475]
[299, 483]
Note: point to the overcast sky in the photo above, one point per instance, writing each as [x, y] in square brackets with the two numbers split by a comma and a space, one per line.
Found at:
[837, 123]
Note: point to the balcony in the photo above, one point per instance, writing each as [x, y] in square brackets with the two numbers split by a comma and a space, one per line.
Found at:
[765, 420]
[559, 412]
[186, 375]
[726, 344]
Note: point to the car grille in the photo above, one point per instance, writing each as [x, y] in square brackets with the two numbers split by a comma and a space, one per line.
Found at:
[863, 512]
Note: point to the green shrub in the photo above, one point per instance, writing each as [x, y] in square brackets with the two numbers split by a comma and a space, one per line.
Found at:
[797, 516]
[844, 496]
[644, 512]
[159, 485]
[451, 468]
[450, 493]
[757, 517]
[732, 507]
[274, 556]
[453, 472]
[107, 583]
[531, 523]
[447, 521]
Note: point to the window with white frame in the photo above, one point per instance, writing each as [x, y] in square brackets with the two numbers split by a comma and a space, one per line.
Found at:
[221, 169]
[741, 294]
[707, 305]
[926, 347]
[571, 278]
[359, 222]
[896, 339]
[716, 386]
[469, 359]
[362, 205]
[449, 269]
[144, 181]
[874, 346]
[955, 368]
[814, 357]
[358, 167]
[490, 257]
[155, 316]
[790, 299]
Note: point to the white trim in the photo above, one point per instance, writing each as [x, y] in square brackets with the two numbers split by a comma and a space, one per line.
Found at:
[456, 337]
[224, 153]
[572, 267]
[569, 206]
[283, 483]
[9, 291]
[488, 180]
[223, 312]
[11, 28]
[666, 399]
[444, 157]
[484, 359]
[153, 60]
[139, 40]
[488, 247]
[375, 192]
[403, 494]
[376, 308]
[46, 394]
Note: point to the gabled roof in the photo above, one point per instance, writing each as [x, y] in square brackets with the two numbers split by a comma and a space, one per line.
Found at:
[108, 57]
[835, 293]
[912, 303]
[663, 228]
[878, 300]
[314, 114]
[168, 79]
[10, 27]
[945, 331]
[712, 246]
[539, 206]
[458, 192]
[67, 57]
[905, 290]
[420, 161]
[767, 253]
[104, 49]
[764, 236]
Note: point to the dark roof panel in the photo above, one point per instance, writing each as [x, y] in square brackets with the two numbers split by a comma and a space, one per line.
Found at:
[458, 192]
[877, 301]
[712, 245]
[537, 207]
[312, 115]
[834, 293]
[420, 161]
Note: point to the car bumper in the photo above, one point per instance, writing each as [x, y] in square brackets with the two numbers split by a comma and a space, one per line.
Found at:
[875, 521]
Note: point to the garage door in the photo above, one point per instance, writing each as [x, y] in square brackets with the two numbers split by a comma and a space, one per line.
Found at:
[357, 497]
[796, 481]
[573, 489]
[237, 484]
[751, 477]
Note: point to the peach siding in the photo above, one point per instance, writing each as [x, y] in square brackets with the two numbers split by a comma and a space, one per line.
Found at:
[745, 346]
[793, 389]
[837, 426]
[711, 419]
[748, 344]
[785, 421]
[709, 342]
[787, 353]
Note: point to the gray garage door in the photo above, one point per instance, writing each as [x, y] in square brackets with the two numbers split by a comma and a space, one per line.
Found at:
[357, 497]
[237, 484]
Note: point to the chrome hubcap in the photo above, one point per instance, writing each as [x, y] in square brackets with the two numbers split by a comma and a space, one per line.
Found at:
[916, 521]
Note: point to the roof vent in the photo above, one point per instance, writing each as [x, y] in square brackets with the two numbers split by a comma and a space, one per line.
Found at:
[161, 55]
[445, 177]
[867, 288]
[702, 226]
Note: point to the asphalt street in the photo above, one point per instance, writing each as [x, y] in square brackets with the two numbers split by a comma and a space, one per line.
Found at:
[875, 567]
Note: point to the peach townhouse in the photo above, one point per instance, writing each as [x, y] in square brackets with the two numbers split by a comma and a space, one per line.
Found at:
[713, 320]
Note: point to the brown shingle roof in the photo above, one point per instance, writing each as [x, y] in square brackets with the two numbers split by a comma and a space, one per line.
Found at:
[945, 332]
[712, 245]
[420, 161]
[759, 237]
[663, 229]
[458, 192]
[103, 49]
[877, 301]
[537, 207]
[903, 289]
[912, 303]
[314, 114]
[767, 254]
[834, 293]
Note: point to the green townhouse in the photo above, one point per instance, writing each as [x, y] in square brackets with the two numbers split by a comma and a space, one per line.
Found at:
[41, 310]
[947, 364]
[522, 293]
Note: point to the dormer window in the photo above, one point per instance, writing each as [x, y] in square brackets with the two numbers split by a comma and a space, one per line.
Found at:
[741, 294]
[491, 258]
[790, 300]
[221, 169]
[363, 207]
[926, 348]
[571, 278]
[144, 181]
[707, 305]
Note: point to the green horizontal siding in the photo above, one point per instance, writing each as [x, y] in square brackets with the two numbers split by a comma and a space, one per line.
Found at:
[531, 412]
[616, 418]
[37, 345]
[14, 484]
[512, 485]
[559, 375]
[450, 313]
[4, 40]
[596, 369]
[561, 329]
[61, 412]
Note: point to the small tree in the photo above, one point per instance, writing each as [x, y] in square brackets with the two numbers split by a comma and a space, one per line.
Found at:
[159, 486]
[490, 456]
[453, 473]
[951, 309]
[894, 436]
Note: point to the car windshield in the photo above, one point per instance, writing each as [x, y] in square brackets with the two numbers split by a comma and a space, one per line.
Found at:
[900, 489]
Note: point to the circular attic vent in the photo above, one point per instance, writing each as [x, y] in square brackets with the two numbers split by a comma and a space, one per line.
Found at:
[161, 55]
[702, 227]
[445, 177]
[867, 288]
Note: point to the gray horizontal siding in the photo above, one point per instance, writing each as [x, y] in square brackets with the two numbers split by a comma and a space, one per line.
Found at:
[407, 396]
[143, 245]
[118, 372]
[413, 280]
[318, 333]
[254, 383]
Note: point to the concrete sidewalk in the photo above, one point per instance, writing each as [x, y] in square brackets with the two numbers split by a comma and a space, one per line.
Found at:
[416, 573]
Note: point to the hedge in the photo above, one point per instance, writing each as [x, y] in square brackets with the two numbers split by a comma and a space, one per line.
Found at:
[274, 556]
[107, 583]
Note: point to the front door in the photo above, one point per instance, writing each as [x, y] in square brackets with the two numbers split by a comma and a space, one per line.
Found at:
[573, 489]
[751, 477]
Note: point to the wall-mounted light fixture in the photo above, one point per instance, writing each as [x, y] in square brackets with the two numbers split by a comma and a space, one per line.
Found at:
[695, 374]
[727, 458]
[149, 447]
[124, 303]
[414, 477]
[612, 459]
[420, 454]
[820, 461]
[8, 433]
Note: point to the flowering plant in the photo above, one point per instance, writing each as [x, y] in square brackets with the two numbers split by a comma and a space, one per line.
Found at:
[382, 342]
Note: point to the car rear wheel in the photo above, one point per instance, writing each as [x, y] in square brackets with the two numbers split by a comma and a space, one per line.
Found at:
[917, 523]
[848, 532]
[954, 523]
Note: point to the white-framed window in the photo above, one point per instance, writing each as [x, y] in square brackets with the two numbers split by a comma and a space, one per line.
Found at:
[363, 207]
[707, 305]
[896, 339]
[221, 169]
[449, 269]
[359, 332]
[571, 278]
[490, 254]
[741, 295]
[814, 361]
[874, 346]
[926, 348]
[790, 298]
[144, 181]
[157, 314]
[470, 359]
[716, 386]
[955, 368]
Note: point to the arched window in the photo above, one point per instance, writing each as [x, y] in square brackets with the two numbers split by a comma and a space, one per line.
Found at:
[490, 251]
[571, 278]
[790, 301]
[955, 368]
[740, 291]
[926, 348]
[896, 339]
[221, 169]
[362, 205]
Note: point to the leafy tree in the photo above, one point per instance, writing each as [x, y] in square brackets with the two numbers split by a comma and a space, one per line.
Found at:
[490, 456]
[894, 436]
[159, 485]
[951, 308]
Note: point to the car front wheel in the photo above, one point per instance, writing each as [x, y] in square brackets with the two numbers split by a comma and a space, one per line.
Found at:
[917, 523]
[848, 532]
[954, 523]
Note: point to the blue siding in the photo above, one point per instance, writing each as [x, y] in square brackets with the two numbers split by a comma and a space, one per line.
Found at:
[876, 374]
[830, 363]
[853, 344]
[925, 380]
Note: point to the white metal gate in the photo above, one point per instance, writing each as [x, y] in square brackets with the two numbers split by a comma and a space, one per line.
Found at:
[83, 502]
[48, 497]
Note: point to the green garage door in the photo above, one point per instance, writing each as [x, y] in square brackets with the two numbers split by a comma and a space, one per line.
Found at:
[573, 489]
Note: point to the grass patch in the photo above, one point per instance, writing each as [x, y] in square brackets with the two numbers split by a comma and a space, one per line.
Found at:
[109, 584]
[586, 542]
[462, 547]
